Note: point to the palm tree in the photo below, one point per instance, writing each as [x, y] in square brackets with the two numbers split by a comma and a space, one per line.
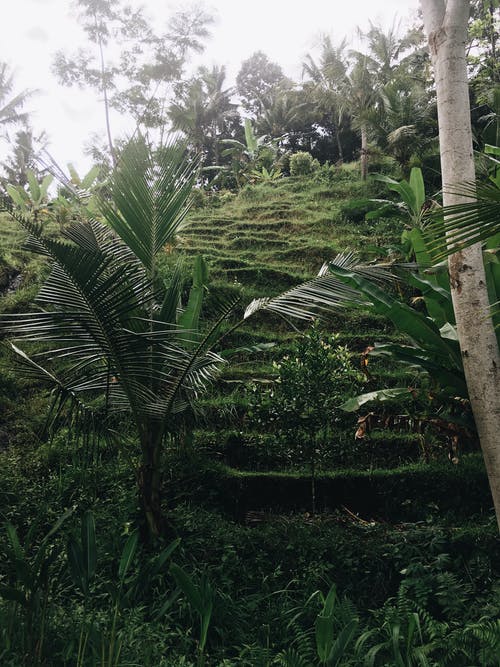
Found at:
[361, 93]
[112, 335]
[204, 112]
[384, 50]
[329, 78]
[11, 107]
[401, 122]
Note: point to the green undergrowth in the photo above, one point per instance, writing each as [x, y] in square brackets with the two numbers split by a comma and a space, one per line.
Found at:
[411, 493]
[263, 566]
[397, 536]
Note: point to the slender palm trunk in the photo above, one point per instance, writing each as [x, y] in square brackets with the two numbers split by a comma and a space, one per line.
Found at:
[149, 477]
[105, 94]
[339, 145]
[446, 27]
[364, 153]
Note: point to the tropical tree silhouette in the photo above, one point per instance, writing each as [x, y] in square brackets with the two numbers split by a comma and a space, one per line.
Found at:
[11, 107]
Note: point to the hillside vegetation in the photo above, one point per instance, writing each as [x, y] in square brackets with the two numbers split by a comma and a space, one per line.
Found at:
[401, 530]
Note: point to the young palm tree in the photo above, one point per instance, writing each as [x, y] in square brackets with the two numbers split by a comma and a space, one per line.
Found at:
[111, 335]
[111, 331]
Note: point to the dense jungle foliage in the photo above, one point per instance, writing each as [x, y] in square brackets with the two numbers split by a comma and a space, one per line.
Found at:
[234, 423]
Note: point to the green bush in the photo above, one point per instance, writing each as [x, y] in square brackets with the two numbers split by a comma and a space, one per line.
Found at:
[303, 164]
[356, 209]
[302, 406]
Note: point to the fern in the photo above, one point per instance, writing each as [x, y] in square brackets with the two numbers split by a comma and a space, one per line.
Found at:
[303, 657]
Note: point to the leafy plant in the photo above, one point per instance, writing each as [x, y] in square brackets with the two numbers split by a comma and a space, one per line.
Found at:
[302, 164]
[31, 584]
[201, 599]
[303, 403]
[334, 646]
[33, 200]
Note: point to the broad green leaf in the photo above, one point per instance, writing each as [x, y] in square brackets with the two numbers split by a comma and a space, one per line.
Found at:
[14, 541]
[89, 548]
[324, 626]
[33, 185]
[206, 615]
[44, 187]
[449, 331]
[162, 558]
[417, 326]
[380, 395]
[167, 604]
[187, 586]
[128, 555]
[437, 299]
[250, 138]
[90, 177]
[59, 523]
[189, 320]
[418, 187]
[75, 178]
[18, 195]
[492, 150]
[76, 566]
[342, 642]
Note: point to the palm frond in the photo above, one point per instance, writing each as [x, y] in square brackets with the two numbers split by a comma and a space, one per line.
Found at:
[319, 295]
[459, 226]
[149, 198]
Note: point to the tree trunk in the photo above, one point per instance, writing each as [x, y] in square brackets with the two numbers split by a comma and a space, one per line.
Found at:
[446, 28]
[105, 93]
[149, 477]
[364, 153]
[339, 144]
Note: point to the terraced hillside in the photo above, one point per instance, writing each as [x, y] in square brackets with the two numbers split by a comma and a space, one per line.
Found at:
[260, 242]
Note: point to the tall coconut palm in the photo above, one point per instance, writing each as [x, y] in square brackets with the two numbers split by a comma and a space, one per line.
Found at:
[329, 78]
[362, 95]
[11, 108]
[204, 112]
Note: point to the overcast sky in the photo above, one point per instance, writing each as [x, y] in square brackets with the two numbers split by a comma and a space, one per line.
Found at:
[33, 30]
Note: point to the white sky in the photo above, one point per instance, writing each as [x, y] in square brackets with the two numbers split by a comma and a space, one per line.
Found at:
[33, 30]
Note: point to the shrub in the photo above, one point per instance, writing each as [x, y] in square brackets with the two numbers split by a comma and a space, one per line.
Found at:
[303, 164]
[312, 381]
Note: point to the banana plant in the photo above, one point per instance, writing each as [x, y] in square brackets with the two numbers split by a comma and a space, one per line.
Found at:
[244, 155]
[34, 200]
[265, 175]
[414, 210]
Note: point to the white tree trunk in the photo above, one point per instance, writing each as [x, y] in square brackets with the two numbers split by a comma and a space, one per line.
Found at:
[446, 27]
